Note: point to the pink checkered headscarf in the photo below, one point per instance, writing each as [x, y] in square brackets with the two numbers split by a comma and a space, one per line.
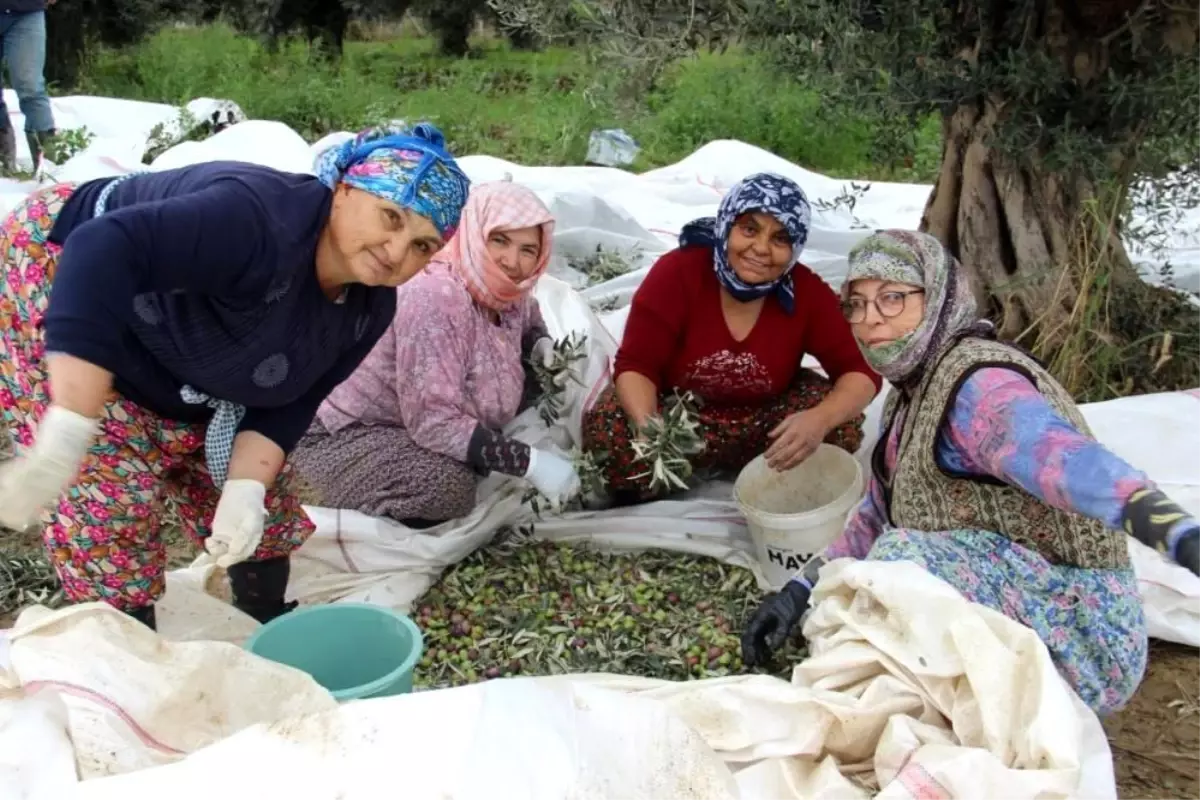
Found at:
[496, 206]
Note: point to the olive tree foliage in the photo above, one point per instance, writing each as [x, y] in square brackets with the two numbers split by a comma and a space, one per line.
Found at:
[75, 27]
[1058, 117]
[452, 21]
[72, 26]
[1052, 111]
[640, 37]
[325, 23]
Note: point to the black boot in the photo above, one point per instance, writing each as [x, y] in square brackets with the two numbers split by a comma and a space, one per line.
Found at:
[38, 141]
[144, 615]
[259, 587]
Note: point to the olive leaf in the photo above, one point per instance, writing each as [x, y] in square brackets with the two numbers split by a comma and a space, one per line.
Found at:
[604, 265]
[27, 579]
[550, 379]
[523, 607]
[668, 441]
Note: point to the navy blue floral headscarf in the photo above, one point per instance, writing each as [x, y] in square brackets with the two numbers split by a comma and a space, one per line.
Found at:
[766, 193]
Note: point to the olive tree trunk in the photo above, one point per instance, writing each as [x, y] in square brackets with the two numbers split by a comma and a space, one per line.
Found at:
[1023, 235]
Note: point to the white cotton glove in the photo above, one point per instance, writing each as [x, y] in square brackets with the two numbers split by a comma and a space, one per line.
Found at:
[33, 481]
[553, 476]
[542, 351]
[237, 526]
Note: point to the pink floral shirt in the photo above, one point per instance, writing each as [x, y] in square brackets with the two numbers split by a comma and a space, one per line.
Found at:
[441, 369]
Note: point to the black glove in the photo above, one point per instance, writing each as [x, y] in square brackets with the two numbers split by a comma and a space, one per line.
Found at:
[1187, 551]
[770, 625]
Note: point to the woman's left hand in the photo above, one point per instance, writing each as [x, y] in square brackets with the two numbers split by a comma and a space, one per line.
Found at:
[237, 526]
[542, 352]
[795, 439]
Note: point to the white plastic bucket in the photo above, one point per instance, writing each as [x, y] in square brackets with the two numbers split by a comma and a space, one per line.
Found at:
[793, 515]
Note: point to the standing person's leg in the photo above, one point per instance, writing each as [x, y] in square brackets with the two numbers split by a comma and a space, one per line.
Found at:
[8, 136]
[25, 54]
[259, 583]
[8, 141]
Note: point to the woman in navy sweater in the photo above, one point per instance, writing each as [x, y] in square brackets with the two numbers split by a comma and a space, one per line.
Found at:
[169, 336]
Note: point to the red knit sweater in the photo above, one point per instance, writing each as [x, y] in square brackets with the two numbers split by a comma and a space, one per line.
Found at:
[677, 337]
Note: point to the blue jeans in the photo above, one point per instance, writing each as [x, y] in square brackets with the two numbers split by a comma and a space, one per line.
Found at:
[23, 49]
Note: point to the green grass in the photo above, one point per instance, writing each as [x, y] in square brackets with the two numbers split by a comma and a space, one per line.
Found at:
[533, 108]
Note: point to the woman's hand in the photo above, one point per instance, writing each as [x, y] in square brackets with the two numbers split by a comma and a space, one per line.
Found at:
[237, 526]
[553, 476]
[1187, 550]
[542, 352]
[795, 439]
[33, 481]
[771, 624]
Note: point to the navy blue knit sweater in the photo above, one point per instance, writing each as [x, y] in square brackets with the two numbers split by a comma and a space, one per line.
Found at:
[205, 276]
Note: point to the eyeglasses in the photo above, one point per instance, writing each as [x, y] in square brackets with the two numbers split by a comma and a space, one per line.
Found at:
[888, 304]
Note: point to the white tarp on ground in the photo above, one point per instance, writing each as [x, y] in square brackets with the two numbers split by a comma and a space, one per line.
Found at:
[911, 692]
[988, 676]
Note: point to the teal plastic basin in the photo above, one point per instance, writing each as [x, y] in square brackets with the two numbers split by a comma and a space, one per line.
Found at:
[354, 650]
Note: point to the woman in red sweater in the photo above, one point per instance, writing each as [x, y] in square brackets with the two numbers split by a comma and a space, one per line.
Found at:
[729, 316]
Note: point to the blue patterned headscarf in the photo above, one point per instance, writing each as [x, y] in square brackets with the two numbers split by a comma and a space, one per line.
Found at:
[766, 193]
[409, 167]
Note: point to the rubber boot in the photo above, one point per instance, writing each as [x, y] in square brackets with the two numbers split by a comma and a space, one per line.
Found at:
[144, 615]
[8, 148]
[259, 587]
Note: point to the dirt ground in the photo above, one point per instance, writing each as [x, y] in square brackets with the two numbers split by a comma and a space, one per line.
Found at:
[1155, 740]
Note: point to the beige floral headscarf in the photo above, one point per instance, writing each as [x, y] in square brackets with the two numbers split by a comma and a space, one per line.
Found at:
[921, 260]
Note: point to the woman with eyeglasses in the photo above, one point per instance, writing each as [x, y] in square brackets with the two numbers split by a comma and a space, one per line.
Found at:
[169, 336]
[987, 476]
[729, 316]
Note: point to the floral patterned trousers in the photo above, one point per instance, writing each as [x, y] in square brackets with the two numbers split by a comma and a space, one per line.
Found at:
[733, 437]
[1091, 620]
[103, 536]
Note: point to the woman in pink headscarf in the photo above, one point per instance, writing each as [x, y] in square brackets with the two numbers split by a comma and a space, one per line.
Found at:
[411, 432]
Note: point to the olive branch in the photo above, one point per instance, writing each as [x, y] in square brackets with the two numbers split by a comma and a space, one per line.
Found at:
[552, 379]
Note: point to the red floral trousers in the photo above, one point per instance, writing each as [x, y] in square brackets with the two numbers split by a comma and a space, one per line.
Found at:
[733, 436]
